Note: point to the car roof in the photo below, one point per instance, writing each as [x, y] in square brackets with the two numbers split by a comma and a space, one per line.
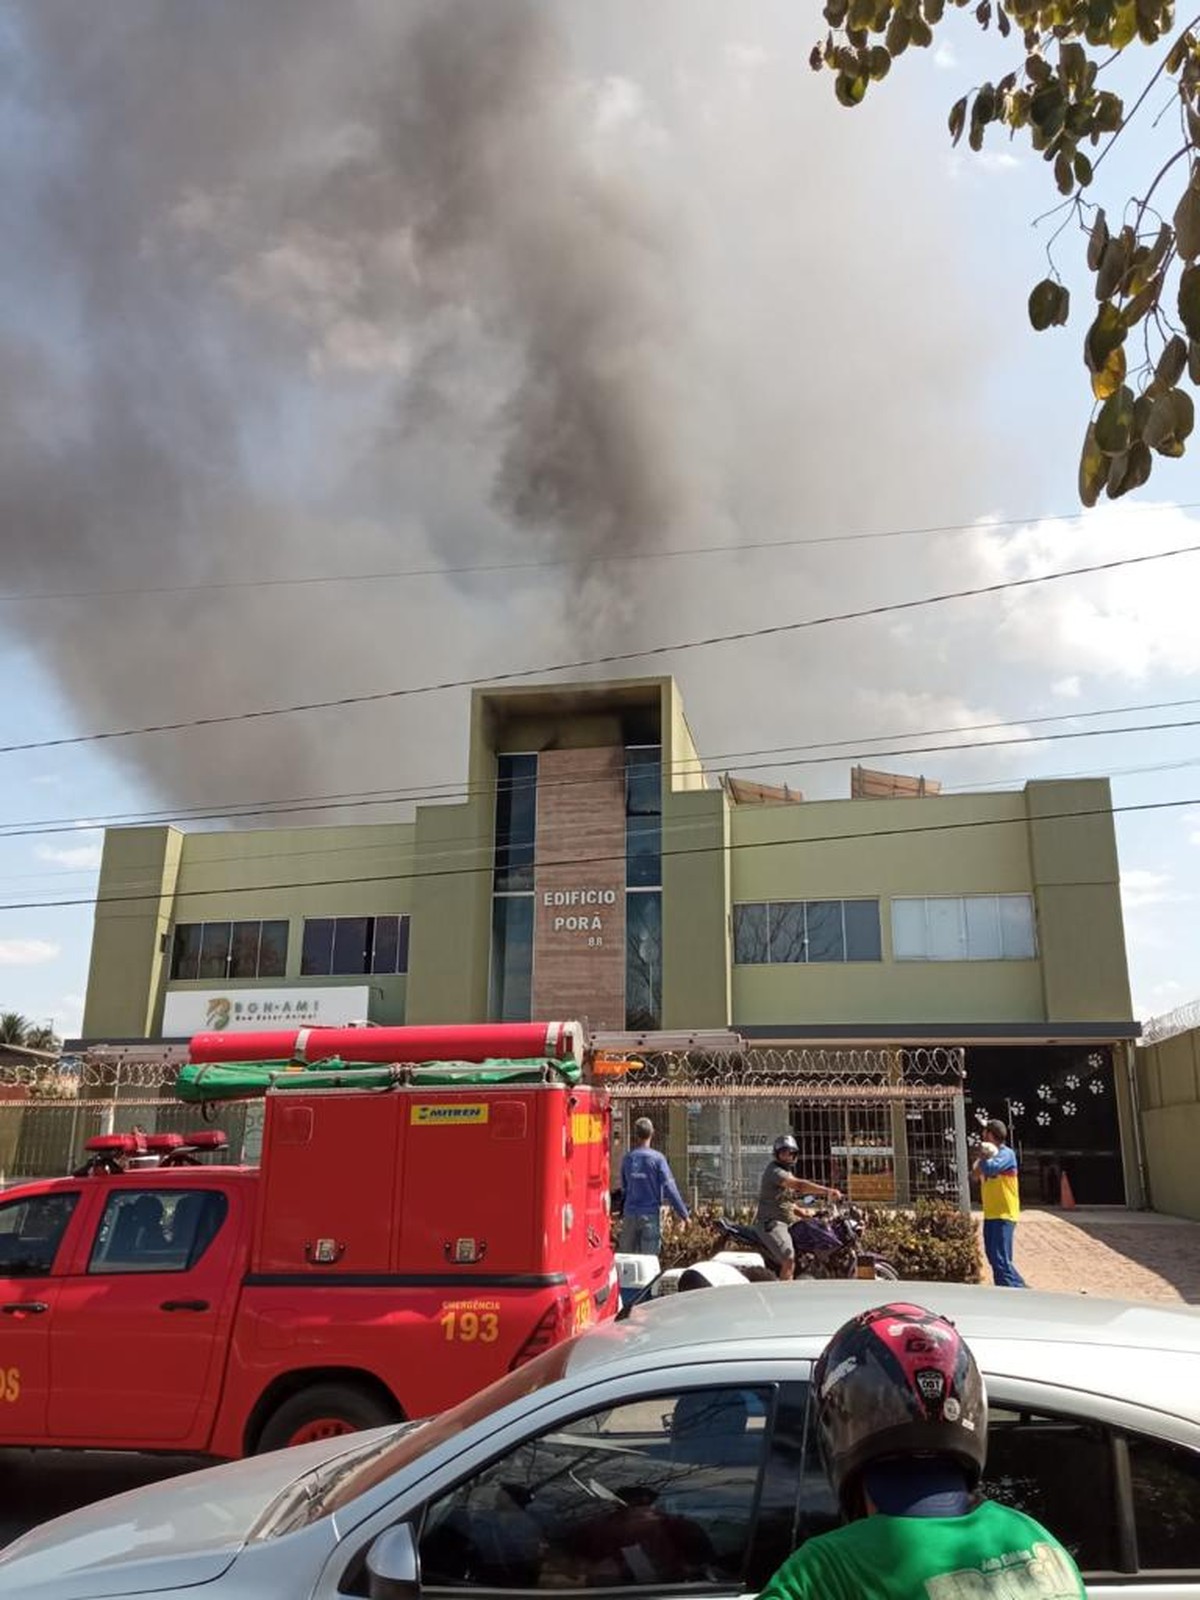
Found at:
[1071, 1341]
[138, 1178]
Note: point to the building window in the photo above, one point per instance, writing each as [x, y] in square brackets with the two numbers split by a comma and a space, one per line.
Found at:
[976, 927]
[643, 817]
[229, 950]
[351, 946]
[784, 932]
[511, 979]
[516, 823]
[643, 960]
[512, 958]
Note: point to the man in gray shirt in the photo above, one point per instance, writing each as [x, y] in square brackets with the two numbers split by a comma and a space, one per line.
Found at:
[776, 1204]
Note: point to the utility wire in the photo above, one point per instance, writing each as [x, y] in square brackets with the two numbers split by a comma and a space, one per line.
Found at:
[982, 525]
[616, 658]
[591, 861]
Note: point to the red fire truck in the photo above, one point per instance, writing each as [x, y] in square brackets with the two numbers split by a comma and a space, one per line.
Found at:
[412, 1233]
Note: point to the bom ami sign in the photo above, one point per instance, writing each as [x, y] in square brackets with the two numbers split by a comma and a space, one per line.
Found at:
[578, 910]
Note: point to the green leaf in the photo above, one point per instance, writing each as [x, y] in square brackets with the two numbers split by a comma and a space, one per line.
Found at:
[1093, 468]
[922, 33]
[934, 10]
[1114, 423]
[1194, 361]
[1172, 362]
[1187, 218]
[1097, 240]
[1170, 423]
[958, 119]
[1141, 303]
[1049, 305]
[835, 12]
[899, 34]
[1111, 375]
[849, 90]
[1189, 301]
[1112, 269]
[879, 63]
[1103, 337]
[1064, 177]
[1134, 470]
[1083, 169]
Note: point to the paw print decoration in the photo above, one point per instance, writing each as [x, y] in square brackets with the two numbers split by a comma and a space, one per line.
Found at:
[1016, 1108]
[1072, 1080]
[1096, 1085]
[1095, 1061]
[1043, 1119]
[927, 1169]
[1068, 1108]
[1043, 1091]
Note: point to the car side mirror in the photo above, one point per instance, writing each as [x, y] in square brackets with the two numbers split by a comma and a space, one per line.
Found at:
[393, 1565]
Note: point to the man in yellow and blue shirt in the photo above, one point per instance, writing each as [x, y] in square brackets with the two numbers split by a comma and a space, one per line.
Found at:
[998, 1182]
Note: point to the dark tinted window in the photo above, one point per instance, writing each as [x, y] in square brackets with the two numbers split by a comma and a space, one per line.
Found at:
[643, 818]
[643, 960]
[272, 950]
[750, 935]
[1060, 1473]
[156, 1230]
[30, 1233]
[1166, 1504]
[516, 821]
[316, 955]
[390, 949]
[214, 950]
[656, 1493]
[185, 951]
[243, 950]
[351, 945]
[825, 937]
[512, 957]
[786, 932]
[862, 930]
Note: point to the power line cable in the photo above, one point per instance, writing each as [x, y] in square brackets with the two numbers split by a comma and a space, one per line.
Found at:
[588, 861]
[614, 659]
[982, 525]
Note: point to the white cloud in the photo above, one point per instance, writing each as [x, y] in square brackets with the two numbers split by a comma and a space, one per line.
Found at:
[1070, 688]
[81, 856]
[27, 952]
[1141, 888]
[945, 57]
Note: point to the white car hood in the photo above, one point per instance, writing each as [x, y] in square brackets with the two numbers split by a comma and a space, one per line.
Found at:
[169, 1535]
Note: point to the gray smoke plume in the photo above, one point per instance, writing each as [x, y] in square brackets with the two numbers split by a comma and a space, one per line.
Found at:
[293, 289]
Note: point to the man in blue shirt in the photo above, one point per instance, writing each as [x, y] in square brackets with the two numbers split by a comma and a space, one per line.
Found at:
[648, 1185]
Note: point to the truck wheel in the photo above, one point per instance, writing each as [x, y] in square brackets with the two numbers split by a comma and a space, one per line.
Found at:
[323, 1412]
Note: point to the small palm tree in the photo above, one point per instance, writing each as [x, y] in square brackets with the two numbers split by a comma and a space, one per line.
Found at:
[41, 1038]
[14, 1028]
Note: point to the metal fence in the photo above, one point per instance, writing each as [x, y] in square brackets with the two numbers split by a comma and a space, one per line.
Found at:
[47, 1139]
[887, 1127]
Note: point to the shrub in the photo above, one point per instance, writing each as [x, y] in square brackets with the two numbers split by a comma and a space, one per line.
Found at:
[935, 1242]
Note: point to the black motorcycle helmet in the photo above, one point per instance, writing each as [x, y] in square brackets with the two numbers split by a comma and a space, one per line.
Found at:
[897, 1381]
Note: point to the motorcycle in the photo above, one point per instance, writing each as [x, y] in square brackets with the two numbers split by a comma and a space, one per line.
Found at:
[826, 1243]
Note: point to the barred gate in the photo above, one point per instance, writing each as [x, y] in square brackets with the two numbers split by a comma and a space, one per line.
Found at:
[883, 1126]
[46, 1139]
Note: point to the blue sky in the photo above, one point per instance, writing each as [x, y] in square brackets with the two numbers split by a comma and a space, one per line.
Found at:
[841, 277]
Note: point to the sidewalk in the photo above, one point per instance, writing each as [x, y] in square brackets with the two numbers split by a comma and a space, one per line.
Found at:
[1106, 1250]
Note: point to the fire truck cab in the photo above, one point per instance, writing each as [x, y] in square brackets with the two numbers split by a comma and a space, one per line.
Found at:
[399, 1248]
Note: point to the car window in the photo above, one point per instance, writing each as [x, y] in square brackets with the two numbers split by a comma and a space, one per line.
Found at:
[156, 1230]
[31, 1231]
[656, 1492]
[1166, 1504]
[1058, 1471]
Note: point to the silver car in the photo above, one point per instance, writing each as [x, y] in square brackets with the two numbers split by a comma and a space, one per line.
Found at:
[668, 1453]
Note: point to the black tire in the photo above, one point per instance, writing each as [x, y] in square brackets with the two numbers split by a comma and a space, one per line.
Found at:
[886, 1271]
[323, 1411]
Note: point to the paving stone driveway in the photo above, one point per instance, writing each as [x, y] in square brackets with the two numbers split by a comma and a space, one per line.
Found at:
[1106, 1250]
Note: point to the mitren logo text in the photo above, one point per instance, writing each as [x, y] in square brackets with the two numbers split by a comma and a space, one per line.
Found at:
[587, 918]
[427, 1116]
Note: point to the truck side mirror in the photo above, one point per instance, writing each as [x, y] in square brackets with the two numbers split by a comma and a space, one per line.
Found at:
[393, 1565]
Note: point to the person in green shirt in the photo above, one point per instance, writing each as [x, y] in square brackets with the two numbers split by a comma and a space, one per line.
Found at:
[901, 1417]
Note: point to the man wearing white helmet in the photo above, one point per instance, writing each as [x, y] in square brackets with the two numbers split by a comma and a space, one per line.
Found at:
[776, 1203]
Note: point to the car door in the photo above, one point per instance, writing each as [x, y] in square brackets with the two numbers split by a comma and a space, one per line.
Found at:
[33, 1240]
[1125, 1503]
[139, 1324]
[681, 1489]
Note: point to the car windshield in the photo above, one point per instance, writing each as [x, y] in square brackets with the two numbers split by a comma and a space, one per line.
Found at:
[362, 1474]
